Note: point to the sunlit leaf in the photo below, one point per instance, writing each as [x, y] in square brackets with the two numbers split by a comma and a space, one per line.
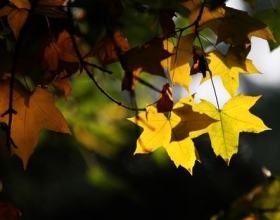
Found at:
[228, 67]
[171, 132]
[232, 119]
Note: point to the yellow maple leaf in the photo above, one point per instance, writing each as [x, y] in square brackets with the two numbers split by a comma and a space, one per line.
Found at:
[171, 132]
[225, 22]
[228, 68]
[233, 118]
[178, 64]
[35, 110]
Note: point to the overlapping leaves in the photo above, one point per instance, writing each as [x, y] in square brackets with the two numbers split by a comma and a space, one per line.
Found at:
[172, 53]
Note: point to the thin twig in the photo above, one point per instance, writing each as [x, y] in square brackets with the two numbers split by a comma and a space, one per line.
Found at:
[196, 24]
[83, 64]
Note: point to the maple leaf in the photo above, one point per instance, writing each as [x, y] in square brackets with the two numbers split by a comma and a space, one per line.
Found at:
[171, 132]
[60, 55]
[16, 17]
[228, 68]
[109, 48]
[271, 17]
[230, 25]
[35, 110]
[233, 118]
[238, 27]
[178, 63]
[145, 59]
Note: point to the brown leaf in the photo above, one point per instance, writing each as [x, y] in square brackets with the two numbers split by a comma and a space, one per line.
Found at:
[166, 22]
[121, 42]
[108, 48]
[165, 102]
[238, 27]
[130, 79]
[35, 110]
[147, 58]
[21, 4]
[62, 85]
[199, 63]
[16, 19]
[60, 55]
[183, 51]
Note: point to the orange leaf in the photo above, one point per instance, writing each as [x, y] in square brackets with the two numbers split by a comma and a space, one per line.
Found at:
[35, 110]
[60, 55]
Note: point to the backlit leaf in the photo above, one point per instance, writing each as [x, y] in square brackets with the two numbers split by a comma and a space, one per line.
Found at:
[21, 4]
[35, 110]
[228, 68]
[232, 119]
[178, 64]
[171, 132]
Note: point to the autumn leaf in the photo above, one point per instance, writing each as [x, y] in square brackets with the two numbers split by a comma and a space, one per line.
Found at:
[165, 102]
[199, 62]
[178, 64]
[166, 22]
[109, 48]
[232, 119]
[145, 59]
[225, 22]
[171, 132]
[35, 110]
[61, 56]
[228, 68]
[208, 19]
[63, 85]
[16, 17]
[60, 49]
[236, 21]
[17, 12]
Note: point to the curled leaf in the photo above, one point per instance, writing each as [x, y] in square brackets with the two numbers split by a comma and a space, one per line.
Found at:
[165, 102]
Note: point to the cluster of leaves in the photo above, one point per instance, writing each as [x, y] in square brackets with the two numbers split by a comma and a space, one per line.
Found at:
[40, 47]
